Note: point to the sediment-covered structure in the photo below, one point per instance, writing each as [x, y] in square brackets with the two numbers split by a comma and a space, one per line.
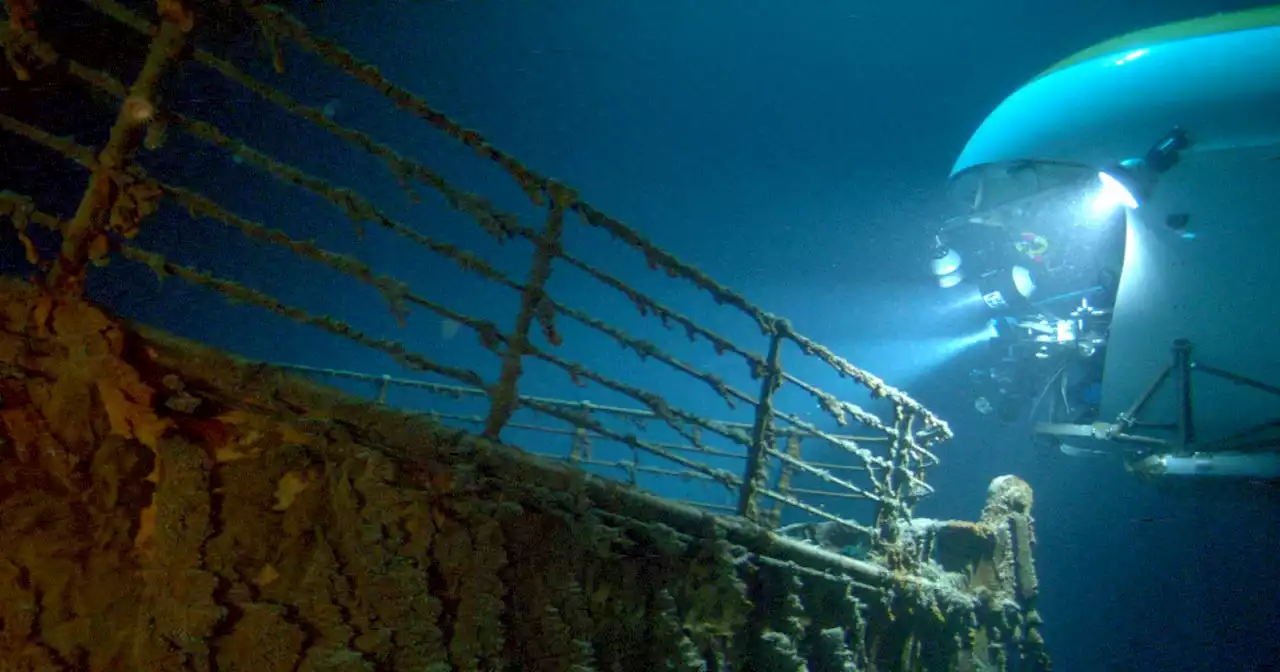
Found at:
[165, 505]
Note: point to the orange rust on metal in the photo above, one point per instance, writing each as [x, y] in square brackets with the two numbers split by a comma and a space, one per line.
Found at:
[92, 217]
[784, 478]
[22, 15]
[762, 434]
[503, 393]
[242, 294]
[899, 480]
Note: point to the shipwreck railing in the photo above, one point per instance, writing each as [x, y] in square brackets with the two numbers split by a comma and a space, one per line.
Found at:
[886, 467]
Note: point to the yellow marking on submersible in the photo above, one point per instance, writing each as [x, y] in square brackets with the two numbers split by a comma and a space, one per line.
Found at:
[1229, 22]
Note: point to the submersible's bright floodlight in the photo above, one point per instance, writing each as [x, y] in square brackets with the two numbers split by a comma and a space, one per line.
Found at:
[1112, 195]
[945, 261]
[1131, 182]
[946, 265]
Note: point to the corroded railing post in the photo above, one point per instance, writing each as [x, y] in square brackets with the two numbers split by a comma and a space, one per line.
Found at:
[503, 394]
[581, 447]
[896, 497]
[99, 207]
[762, 433]
[784, 478]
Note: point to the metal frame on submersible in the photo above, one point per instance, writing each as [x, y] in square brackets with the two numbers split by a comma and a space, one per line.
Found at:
[1239, 455]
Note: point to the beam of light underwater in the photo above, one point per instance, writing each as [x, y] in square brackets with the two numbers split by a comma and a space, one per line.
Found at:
[903, 362]
[920, 329]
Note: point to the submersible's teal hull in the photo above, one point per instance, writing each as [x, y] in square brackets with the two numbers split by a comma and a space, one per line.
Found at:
[1218, 77]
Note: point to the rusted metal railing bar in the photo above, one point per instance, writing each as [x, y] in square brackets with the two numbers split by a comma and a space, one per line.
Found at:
[815, 511]
[628, 468]
[850, 446]
[478, 420]
[682, 448]
[816, 573]
[504, 395]
[30, 46]
[671, 415]
[918, 443]
[580, 446]
[676, 447]
[446, 389]
[64, 146]
[657, 257]
[394, 291]
[443, 389]
[578, 372]
[536, 186]
[100, 207]
[705, 505]
[828, 493]
[352, 203]
[869, 459]
[633, 467]
[924, 455]
[633, 414]
[904, 483]
[839, 409]
[911, 492]
[784, 477]
[877, 386]
[834, 406]
[644, 350]
[280, 23]
[240, 293]
[900, 458]
[725, 478]
[821, 474]
[22, 210]
[837, 467]
[647, 305]
[283, 24]
[124, 15]
[499, 224]
[357, 208]
[756, 475]
[891, 509]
